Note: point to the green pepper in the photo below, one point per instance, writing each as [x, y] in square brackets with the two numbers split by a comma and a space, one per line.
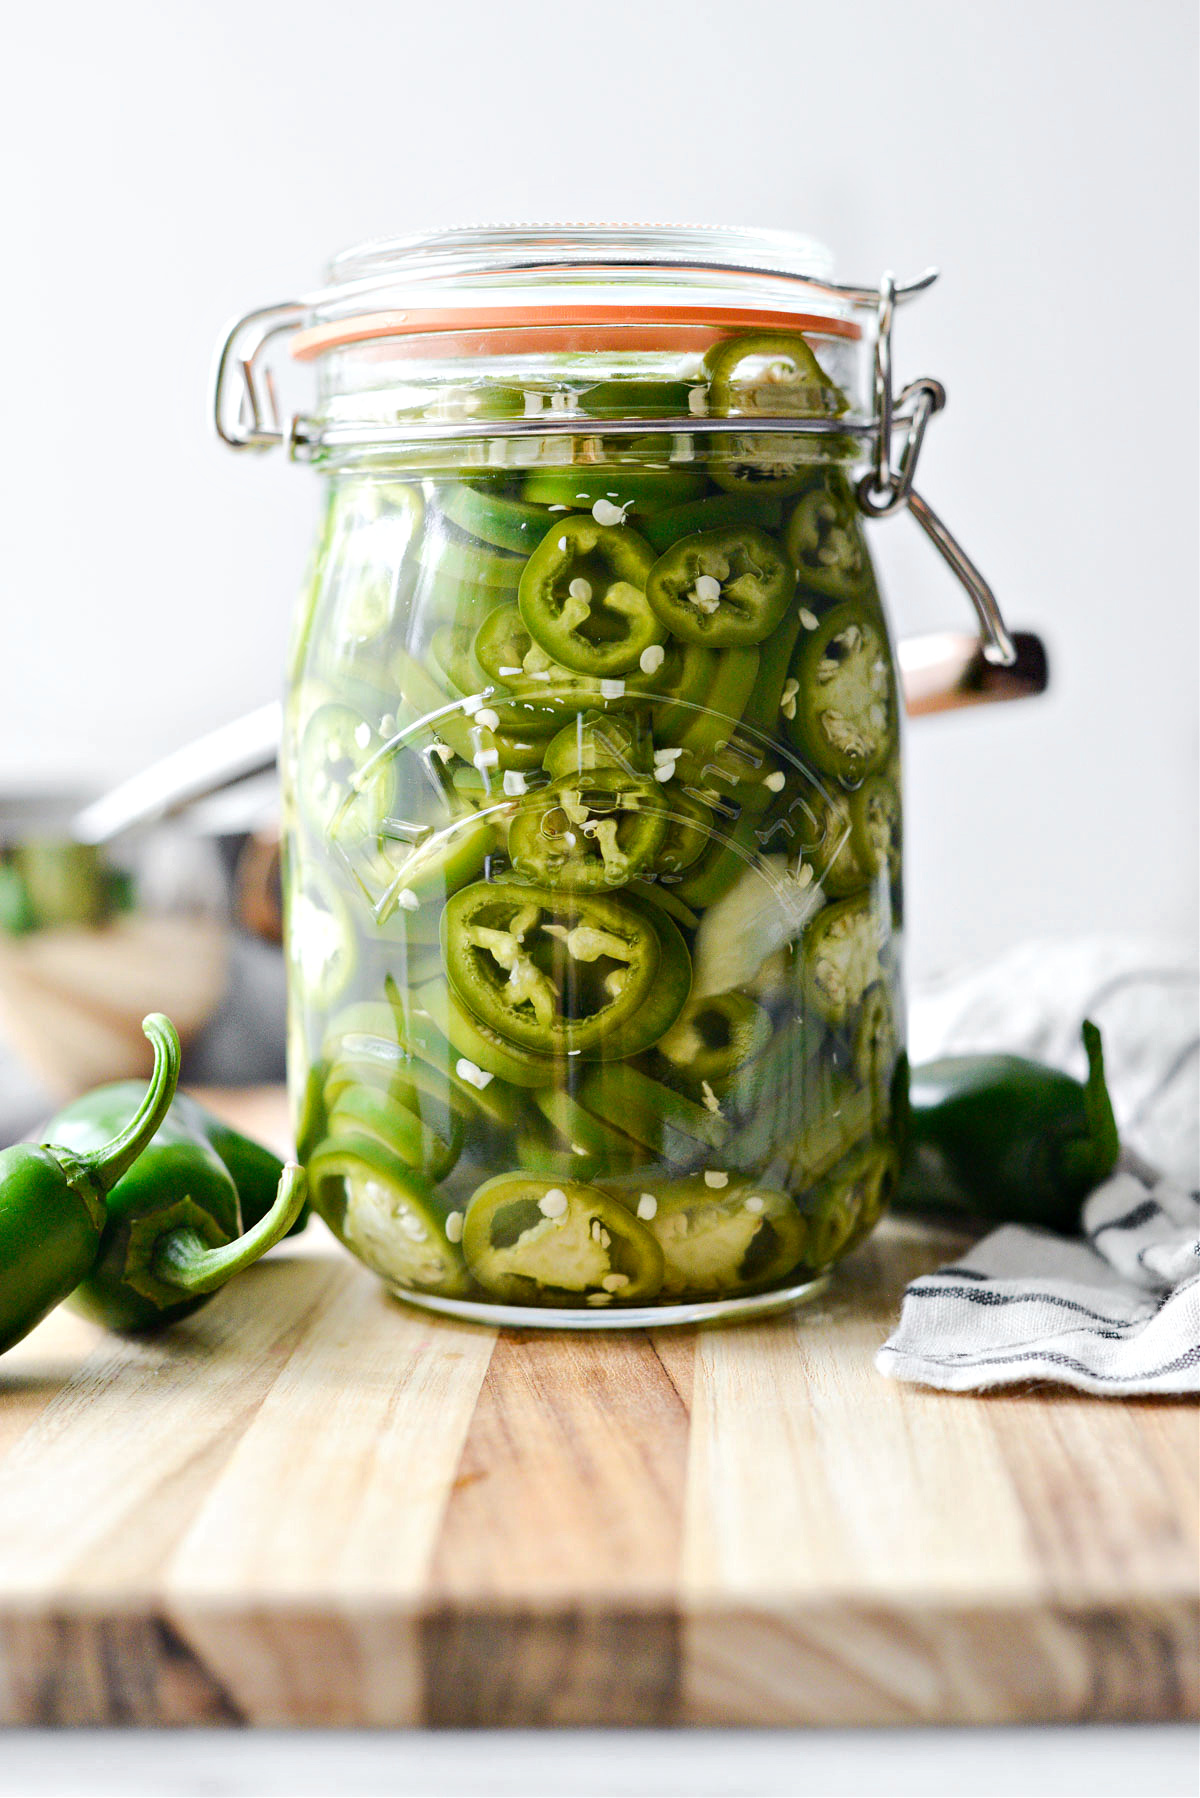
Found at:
[678, 678]
[466, 603]
[714, 1035]
[475, 1041]
[386, 1046]
[721, 588]
[453, 651]
[345, 783]
[788, 1079]
[719, 511]
[386, 518]
[583, 597]
[255, 1170]
[322, 947]
[631, 399]
[672, 1126]
[876, 1049]
[586, 832]
[543, 1153]
[404, 1130]
[640, 490]
[721, 1234]
[825, 541]
[589, 1138]
[529, 1242]
[456, 722]
[1002, 1137]
[387, 1215]
[702, 727]
[735, 770]
[475, 564]
[550, 972]
[506, 652]
[762, 712]
[771, 375]
[660, 898]
[173, 1228]
[848, 838]
[52, 1199]
[841, 956]
[845, 699]
[689, 831]
[599, 740]
[848, 1204]
[721, 864]
[416, 876]
[843, 1116]
[641, 1028]
[495, 518]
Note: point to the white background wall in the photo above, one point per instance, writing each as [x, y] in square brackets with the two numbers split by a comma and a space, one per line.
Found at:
[168, 165]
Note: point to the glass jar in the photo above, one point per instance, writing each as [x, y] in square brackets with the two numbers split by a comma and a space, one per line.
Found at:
[591, 770]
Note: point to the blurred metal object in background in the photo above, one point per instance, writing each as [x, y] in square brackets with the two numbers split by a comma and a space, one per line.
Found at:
[947, 670]
[93, 937]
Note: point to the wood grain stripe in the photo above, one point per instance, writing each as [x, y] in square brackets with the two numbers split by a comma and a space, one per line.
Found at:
[301, 1576]
[98, 1491]
[560, 1547]
[811, 1482]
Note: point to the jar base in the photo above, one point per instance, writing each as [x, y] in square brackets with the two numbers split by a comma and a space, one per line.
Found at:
[631, 1317]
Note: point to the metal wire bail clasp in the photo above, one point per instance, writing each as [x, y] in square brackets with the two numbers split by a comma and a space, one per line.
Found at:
[887, 486]
[246, 411]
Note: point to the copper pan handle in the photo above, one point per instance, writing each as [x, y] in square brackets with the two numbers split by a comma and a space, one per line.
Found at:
[945, 670]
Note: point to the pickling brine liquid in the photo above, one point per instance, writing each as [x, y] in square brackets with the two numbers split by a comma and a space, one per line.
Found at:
[593, 878]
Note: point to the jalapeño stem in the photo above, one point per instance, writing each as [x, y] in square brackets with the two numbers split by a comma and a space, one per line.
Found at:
[1095, 1155]
[182, 1258]
[104, 1167]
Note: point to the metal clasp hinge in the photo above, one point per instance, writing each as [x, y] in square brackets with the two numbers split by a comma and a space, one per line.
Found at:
[887, 486]
[248, 416]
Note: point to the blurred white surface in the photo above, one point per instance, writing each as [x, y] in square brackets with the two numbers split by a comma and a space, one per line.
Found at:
[168, 166]
[1106, 1761]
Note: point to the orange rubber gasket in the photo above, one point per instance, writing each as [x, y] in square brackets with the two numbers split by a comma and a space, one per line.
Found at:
[501, 330]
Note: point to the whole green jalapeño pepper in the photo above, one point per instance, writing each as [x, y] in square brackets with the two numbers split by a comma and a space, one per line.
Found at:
[172, 1228]
[1002, 1137]
[721, 588]
[583, 597]
[52, 1199]
[255, 1169]
[552, 972]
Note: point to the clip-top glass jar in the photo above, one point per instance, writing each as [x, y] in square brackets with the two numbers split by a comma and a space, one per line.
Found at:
[591, 763]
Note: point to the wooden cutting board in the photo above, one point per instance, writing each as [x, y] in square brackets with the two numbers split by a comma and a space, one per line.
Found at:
[309, 1506]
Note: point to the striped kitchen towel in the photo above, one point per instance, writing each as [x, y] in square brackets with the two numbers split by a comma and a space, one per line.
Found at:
[1117, 1309]
[1114, 1311]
